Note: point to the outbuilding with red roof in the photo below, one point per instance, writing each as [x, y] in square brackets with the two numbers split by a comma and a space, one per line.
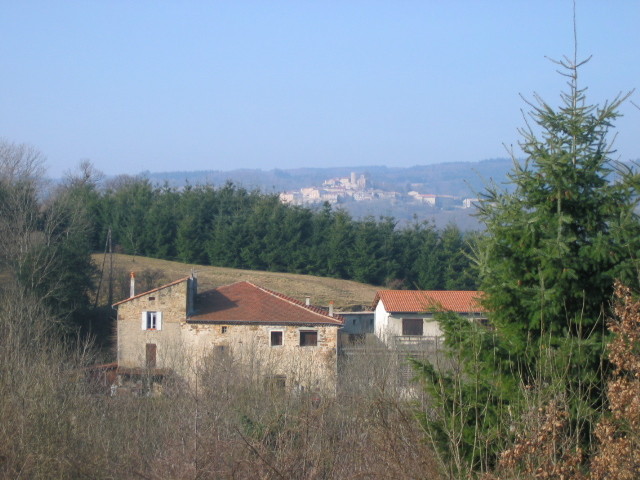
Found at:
[406, 316]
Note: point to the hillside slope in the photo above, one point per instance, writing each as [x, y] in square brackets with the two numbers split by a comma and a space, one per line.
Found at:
[345, 293]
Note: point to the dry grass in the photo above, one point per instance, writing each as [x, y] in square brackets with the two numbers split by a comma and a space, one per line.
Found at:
[345, 293]
[56, 423]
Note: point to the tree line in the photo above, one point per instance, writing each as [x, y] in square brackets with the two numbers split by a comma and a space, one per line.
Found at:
[45, 232]
[230, 226]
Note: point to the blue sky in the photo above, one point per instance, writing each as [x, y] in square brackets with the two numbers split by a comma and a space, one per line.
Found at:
[219, 85]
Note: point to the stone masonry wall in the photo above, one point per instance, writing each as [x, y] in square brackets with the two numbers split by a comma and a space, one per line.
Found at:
[182, 346]
[132, 339]
[303, 367]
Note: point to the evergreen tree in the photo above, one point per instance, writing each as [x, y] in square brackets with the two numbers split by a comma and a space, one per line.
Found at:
[430, 262]
[554, 245]
[319, 252]
[162, 221]
[192, 227]
[340, 244]
[366, 255]
[459, 273]
[407, 243]
[129, 200]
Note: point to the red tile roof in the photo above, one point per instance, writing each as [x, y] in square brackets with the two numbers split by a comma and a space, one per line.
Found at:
[153, 290]
[245, 302]
[461, 301]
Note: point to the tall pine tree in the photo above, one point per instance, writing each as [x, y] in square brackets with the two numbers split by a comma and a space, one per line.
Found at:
[557, 241]
[554, 244]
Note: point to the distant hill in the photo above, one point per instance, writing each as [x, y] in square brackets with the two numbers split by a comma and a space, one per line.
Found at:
[463, 179]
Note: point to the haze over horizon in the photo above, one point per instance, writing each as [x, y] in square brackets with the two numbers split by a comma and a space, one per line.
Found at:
[184, 86]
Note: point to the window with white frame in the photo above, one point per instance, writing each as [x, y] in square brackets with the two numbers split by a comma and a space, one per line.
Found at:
[151, 320]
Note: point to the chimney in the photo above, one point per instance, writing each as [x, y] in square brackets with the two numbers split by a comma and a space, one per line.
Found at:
[192, 289]
[132, 288]
[307, 300]
[331, 308]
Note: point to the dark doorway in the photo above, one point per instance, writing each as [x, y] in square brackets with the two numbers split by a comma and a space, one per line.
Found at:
[151, 355]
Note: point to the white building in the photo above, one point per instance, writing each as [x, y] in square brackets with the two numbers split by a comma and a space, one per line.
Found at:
[407, 316]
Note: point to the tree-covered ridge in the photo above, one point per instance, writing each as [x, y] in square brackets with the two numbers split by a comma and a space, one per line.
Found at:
[231, 226]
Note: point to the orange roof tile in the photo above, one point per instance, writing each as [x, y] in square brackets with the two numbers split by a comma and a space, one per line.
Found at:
[245, 302]
[460, 301]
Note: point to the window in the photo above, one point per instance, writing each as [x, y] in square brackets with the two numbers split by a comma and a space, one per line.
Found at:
[308, 338]
[412, 326]
[276, 338]
[224, 329]
[151, 321]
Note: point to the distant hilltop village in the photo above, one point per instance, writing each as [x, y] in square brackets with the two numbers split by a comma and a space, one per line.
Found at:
[358, 189]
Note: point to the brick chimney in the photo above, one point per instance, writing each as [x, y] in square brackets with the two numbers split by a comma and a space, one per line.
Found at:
[331, 308]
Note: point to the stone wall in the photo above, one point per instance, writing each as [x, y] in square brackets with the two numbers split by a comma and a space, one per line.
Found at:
[132, 338]
[299, 367]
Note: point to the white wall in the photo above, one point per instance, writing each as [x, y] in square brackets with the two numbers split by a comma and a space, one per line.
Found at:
[390, 324]
[380, 321]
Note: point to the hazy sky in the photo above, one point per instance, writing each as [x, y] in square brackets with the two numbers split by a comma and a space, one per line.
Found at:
[186, 85]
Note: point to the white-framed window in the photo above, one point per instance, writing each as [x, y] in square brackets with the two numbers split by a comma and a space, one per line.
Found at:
[151, 320]
[276, 338]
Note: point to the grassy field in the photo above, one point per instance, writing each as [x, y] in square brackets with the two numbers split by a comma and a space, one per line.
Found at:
[345, 293]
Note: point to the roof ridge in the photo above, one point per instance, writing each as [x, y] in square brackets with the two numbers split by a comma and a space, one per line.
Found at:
[424, 291]
[298, 303]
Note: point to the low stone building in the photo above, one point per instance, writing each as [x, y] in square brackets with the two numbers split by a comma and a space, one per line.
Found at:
[275, 338]
[357, 327]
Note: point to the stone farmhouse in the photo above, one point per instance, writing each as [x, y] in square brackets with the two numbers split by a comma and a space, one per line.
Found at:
[272, 337]
[405, 318]
[280, 340]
